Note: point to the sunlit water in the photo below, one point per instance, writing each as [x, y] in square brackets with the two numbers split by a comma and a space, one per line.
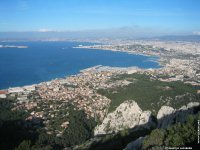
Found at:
[43, 61]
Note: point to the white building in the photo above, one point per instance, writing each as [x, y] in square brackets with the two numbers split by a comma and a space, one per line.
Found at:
[29, 88]
[22, 98]
[3, 96]
[15, 90]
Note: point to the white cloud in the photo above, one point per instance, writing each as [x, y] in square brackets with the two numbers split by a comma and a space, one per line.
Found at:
[196, 32]
[45, 30]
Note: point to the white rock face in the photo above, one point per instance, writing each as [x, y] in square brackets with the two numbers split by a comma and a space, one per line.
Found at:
[167, 115]
[144, 117]
[127, 115]
[192, 104]
[164, 111]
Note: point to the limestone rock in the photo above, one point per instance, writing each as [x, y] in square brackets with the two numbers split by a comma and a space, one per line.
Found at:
[127, 115]
[145, 117]
[168, 115]
[165, 116]
[164, 111]
[192, 104]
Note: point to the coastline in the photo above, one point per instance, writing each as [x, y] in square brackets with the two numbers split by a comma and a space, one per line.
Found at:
[78, 72]
[13, 46]
[90, 70]
[167, 64]
[159, 61]
[45, 99]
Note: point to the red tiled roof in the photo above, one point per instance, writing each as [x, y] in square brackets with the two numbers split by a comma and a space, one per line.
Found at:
[3, 92]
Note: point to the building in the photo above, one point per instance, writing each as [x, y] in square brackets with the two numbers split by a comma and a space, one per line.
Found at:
[15, 90]
[3, 94]
[29, 88]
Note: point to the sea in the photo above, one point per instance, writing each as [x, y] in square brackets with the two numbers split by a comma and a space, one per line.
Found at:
[44, 61]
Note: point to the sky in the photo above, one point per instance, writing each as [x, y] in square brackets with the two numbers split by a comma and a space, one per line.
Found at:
[143, 17]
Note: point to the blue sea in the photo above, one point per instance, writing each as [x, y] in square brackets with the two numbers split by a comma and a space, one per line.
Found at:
[43, 61]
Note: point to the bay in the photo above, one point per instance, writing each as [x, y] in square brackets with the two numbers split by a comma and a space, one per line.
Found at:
[43, 61]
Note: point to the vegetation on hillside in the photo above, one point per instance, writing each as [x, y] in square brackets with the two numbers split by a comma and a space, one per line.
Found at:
[17, 132]
[177, 135]
[21, 134]
[149, 93]
[12, 126]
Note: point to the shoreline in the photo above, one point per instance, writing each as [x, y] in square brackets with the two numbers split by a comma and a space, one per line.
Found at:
[92, 67]
[90, 70]
[14, 46]
[164, 62]
[159, 61]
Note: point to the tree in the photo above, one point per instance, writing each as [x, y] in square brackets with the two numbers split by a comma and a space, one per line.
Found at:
[24, 145]
[156, 138]
[80, 128]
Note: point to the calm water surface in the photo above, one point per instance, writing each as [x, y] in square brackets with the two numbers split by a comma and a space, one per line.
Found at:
[43, 61]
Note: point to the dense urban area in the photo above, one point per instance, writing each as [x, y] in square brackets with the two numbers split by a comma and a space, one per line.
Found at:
[109, 107]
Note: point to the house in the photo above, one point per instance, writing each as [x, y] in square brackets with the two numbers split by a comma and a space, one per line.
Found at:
[29, 88]
[15, 90]
[3, 94]
[22, 98]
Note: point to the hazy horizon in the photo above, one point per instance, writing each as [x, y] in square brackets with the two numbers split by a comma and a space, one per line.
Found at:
[97, 34]
[74, 18]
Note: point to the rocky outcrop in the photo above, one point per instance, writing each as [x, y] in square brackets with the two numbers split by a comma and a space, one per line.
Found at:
[168, 115]
[165, 116]
[127, 115]
[192, 104]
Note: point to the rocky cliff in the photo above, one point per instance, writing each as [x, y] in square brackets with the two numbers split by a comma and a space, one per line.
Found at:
[127, 115]
[168, 115]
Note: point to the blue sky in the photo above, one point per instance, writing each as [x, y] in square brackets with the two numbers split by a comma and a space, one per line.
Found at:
[141, 16]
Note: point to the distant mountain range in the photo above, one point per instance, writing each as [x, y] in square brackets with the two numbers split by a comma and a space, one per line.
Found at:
[90, 34]
[192, 38]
